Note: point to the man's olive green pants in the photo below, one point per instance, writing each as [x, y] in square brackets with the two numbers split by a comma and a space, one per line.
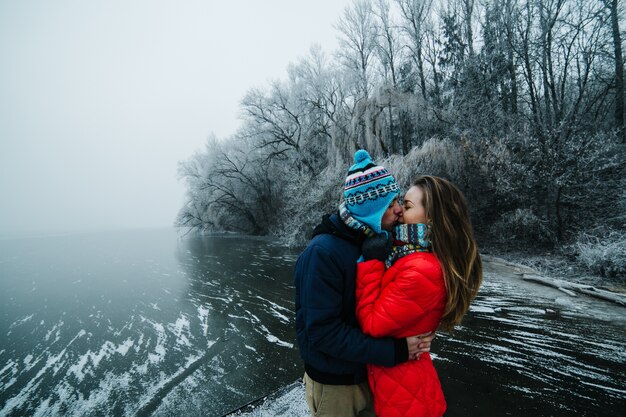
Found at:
[339, 400]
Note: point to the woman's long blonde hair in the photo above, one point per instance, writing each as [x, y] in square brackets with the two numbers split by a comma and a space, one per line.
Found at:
[452, 239]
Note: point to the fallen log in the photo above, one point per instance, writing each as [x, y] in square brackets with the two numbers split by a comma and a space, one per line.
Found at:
[571, 289]
[605, 295]
[568, 292]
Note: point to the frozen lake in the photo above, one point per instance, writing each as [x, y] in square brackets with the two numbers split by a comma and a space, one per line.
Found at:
[143, 323]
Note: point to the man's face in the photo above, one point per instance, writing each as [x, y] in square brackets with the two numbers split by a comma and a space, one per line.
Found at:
[391, 216]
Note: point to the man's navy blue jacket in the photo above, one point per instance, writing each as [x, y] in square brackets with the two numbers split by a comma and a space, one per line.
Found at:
[333, 347]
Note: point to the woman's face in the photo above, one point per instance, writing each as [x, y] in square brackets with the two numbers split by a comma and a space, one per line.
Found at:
[413, 211]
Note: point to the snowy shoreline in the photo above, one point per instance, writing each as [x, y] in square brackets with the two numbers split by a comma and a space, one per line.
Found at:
[616, 294]
[555, 265]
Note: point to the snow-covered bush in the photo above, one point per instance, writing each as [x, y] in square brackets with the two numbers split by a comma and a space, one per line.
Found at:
[308, 199]
[602, 253]
[522, 227]
[436, 156]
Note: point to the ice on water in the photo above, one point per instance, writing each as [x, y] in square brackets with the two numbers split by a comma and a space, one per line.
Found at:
[133, 337]
[212, 329]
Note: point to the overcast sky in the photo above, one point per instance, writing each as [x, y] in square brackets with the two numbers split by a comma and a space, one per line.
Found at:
[99, 100]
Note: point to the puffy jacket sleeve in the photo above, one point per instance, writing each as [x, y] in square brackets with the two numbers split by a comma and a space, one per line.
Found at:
[399, 306]
[321, 301]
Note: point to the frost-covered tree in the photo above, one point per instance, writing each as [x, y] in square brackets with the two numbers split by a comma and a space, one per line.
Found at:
[519, 102]
[498, 53]
[230, 187]
[326, 98]
[358, 40]
[613, 7]
[388, 48]
[415, 14]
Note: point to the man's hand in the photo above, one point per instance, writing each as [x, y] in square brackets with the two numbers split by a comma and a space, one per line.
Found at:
[419, 344]
[377, 247]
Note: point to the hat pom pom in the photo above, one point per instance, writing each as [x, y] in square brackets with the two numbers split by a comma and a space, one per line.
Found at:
[360, 156]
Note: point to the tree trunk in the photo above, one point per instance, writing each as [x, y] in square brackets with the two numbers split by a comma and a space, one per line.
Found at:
[545, 56]
[619, 71]
[510, 23]
[469, 33]
[420, 67]
[559, 217]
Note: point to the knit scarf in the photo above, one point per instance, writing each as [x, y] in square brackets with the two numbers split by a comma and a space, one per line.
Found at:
[414, 238]
[353, 223]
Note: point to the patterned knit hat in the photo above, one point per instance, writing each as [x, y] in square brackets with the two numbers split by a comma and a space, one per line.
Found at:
[369, 190]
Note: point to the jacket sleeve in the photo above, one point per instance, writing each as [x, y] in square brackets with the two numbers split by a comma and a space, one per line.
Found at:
[323, 283]
[399, 305]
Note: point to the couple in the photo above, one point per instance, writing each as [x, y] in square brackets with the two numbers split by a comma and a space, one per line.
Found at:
[363, 293]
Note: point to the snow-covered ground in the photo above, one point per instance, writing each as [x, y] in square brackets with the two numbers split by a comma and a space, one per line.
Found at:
[285, 402]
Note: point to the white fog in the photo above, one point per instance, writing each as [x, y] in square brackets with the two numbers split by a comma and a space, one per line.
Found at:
[100, 100]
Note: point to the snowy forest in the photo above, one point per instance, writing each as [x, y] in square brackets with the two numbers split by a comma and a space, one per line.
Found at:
[518, 102]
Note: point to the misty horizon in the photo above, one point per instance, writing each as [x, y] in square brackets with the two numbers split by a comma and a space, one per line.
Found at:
[100, 102]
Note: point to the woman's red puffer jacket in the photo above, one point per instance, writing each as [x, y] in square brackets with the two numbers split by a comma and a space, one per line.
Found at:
[406, 300]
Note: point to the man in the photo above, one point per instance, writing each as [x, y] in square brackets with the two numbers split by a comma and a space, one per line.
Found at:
[331, 344]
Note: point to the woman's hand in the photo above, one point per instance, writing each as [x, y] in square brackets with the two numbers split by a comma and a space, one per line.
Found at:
[419, 344]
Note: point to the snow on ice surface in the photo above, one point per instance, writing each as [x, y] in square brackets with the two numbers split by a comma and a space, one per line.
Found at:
[273, 339]
[203, 315]
[135, 344]
[516, 322]
[234, 316]
[8, 384]
[21, 321]
[108, 387]
[26, 392]
[481, 309]
[10, 365]
[276, 310]
[159, 349]
[27, 361]
[164, 380]
[288, 402]
[64, 398]
[181, 330]
[88, 363]
[262, 329]
[621, 392]
[57, 330]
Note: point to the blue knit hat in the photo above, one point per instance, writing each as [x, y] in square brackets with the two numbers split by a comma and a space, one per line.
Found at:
[369, 190]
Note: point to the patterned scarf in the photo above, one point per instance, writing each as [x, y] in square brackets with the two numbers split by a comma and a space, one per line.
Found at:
[414, 238]
[353, 223]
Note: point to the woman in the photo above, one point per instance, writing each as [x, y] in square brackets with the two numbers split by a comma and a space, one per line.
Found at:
[427, 281]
